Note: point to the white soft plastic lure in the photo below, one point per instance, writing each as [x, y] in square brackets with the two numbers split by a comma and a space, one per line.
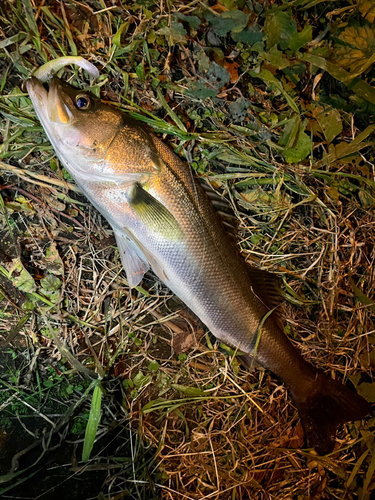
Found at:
[45, 72]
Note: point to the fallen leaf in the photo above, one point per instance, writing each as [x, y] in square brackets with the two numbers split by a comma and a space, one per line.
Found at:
[232, 70]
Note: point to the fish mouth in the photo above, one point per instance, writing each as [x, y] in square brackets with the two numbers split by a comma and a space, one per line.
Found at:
[48, 101]
[38, 95]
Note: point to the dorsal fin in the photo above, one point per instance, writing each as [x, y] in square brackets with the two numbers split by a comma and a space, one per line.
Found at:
[222, 208]
[214, 197]
[266, 287]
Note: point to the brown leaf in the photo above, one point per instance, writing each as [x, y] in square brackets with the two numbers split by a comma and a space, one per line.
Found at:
[232, 69]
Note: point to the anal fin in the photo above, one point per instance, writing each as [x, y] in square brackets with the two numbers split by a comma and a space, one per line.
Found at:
[132, 258]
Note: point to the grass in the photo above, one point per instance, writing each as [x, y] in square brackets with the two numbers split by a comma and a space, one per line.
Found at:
[271, 104]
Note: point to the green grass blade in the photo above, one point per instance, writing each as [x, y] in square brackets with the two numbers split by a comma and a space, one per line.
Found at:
[32, 24]
[93, 423]
[361, 296]
[170, 111]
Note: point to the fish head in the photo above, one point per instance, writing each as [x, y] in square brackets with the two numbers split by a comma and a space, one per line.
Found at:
[85, 134]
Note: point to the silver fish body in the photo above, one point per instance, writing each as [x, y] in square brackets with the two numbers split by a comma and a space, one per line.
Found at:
[163, 219]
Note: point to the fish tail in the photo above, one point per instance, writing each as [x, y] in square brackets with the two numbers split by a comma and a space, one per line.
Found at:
[330, 405]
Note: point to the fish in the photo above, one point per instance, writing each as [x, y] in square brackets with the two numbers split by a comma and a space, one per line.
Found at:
[164, 221]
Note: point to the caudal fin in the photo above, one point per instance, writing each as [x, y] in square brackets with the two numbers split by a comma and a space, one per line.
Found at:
[331, 405]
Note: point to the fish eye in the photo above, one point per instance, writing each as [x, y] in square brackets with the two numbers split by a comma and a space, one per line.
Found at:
[83, 102]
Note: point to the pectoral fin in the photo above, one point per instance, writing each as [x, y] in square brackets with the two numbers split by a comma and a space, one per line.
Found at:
[132, 258]
[154, 214]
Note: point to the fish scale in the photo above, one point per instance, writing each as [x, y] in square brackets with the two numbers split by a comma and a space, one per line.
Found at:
[162, 219]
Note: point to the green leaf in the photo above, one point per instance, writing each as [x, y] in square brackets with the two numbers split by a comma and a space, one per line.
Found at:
[12, 39]
[92, 424]
[331, 124]
[345, 149]
[50, 283]
[360, 87]
[279, 27]
[217, 76]
[275, 57]
[128, 383]
[203, 61]
[170, 111]
[300, 151]
[192, 21]
[290, 133]
[300, 39]
[250, 35]
[240, 19]
[141, 380]
[153, 366]
[21, 278]
[176, 33]
[369, 476]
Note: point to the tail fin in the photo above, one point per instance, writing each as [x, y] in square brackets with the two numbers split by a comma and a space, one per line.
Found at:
[331, 405]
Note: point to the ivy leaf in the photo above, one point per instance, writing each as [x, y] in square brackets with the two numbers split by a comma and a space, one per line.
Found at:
[200, 90]
[238, 109]
[279, 28]
[231, 20]
[217, 76]
[192, 21]
[250, 35]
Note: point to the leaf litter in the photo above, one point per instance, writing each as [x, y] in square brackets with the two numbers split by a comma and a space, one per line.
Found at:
[274, 109]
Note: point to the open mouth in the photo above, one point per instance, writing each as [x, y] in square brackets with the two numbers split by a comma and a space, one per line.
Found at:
[47, 101]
